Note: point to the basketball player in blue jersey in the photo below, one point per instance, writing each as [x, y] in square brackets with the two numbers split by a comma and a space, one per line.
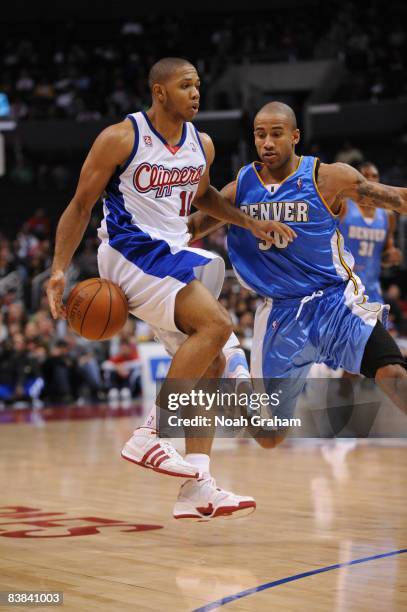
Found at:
[369, 235]
[150, 167]
[314, 307]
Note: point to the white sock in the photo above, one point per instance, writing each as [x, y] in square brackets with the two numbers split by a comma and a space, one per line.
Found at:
[151, 420]
[199, 460]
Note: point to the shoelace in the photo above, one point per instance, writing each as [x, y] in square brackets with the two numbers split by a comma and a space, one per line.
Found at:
[169, 449]
[212, 482]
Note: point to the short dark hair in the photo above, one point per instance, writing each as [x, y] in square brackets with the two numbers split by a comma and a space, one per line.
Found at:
[282, 109]
[164, 68]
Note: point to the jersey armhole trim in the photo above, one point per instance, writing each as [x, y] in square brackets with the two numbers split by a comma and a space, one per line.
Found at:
[135, 144]
[321, 197]
[200, 144]
[237, 183]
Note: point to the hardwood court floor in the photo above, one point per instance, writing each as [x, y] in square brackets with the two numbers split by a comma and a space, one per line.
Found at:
[317, 506]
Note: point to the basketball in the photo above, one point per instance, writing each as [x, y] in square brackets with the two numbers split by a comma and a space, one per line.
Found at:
[97, 309]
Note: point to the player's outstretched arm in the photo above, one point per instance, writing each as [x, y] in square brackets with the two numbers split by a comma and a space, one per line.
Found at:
[343, 181]
[200, 224]
[110, 149]
[210, 201]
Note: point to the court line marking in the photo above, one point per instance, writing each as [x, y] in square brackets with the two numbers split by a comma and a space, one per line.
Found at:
[269, 585]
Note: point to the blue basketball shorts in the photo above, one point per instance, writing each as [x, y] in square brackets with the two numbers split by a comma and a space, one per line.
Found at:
[331, 326]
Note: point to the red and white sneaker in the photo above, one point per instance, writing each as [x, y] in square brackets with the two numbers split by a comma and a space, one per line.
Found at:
[145, 448]
[202, 500]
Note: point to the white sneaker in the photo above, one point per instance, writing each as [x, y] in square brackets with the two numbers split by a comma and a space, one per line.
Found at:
[113, 398]
[113, 394]
[125, 398]
[145, 448]
[125, 393]
[202, 500]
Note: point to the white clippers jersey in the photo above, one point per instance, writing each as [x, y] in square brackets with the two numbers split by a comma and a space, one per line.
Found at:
[148, 200]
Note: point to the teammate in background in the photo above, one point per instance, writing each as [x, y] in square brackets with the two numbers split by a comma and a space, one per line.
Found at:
[314, 307]
[150, 167]
[369, 235]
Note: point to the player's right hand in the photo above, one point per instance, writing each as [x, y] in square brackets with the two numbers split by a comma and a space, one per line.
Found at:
[55, 291]
[263, 230]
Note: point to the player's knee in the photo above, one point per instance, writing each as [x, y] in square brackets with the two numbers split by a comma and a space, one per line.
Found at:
[220, 326]
[393, 370]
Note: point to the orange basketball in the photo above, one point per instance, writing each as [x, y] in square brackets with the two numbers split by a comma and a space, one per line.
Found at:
[97, 309]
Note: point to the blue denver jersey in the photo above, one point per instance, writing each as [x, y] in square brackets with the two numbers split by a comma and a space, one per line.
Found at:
[365, 238]
[315, 260]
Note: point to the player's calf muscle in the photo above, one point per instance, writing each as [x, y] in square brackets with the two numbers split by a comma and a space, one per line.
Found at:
[392, 379]
[391, 371]
[217, 367]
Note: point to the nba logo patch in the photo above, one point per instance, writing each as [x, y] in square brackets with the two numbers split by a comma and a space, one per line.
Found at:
[274, 325]
[193, 147]
[299, 184]
[147, 141]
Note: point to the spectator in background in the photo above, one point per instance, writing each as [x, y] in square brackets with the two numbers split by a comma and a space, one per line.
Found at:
[39, 224]
[92, 387]
[348, 154]
[20, 373]
[7, 264]
[3, 329]
[16, 315]
[46, 326]
[122, 373]
[60, 374]
[25, 242]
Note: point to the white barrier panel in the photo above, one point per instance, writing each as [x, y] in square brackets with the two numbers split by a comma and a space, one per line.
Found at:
[155, 363]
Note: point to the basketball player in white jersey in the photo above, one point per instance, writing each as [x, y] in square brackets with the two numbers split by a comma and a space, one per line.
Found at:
[150, 168]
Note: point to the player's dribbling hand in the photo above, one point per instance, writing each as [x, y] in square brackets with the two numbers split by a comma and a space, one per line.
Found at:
[265, 230]
[55, 291]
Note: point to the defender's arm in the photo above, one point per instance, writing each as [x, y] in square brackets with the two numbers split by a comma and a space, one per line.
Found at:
[342, 181]
[201, 224]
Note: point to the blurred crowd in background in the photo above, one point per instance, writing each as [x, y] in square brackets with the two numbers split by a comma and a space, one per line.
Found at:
[71, 70]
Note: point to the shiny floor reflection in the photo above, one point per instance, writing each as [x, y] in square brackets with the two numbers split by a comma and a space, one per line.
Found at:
[100, 529]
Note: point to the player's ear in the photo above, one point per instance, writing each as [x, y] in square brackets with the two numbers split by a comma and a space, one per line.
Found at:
[296, 136]
[159, 92]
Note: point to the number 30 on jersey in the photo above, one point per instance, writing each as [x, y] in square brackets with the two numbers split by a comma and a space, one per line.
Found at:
[276, 240]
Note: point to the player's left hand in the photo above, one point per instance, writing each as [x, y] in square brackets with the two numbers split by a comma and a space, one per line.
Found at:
[392, 257]
[265, 230]
[55, 290]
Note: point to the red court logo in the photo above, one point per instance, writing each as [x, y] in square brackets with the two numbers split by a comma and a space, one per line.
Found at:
[25, 522]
